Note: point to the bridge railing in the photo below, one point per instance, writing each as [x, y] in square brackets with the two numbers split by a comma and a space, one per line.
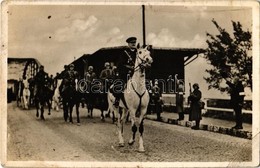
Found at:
[211, 104]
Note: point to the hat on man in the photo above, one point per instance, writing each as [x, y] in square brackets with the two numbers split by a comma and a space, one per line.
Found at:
[71, 65]
[196, 84]
[90, 68]
[107, 64]
[131, 40]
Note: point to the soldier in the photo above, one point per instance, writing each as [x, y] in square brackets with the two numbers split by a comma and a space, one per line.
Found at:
[40, 79]
[90, 76]
[195, 109]
[106, 73]
[156, 98]
[179, 99]
[66, 68]
[125, 67]
[237, 98]
[69, 78]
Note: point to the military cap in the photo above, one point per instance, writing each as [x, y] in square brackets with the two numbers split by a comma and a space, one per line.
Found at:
[107, 64]
[196, 84]
[90, 68]
[71, 65]
[131, 40]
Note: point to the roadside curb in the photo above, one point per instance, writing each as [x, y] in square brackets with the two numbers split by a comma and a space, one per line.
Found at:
[205, 127]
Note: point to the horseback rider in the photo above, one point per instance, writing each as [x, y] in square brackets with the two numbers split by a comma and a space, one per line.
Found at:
[66, 68]
[69, 79]
[41, 79]
[125, 68]
[106, 75]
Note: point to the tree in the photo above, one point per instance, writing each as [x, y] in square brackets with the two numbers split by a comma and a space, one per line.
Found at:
[229, 56]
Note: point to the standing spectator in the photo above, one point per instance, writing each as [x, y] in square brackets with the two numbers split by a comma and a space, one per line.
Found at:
[195, 109]
[179, 101]
[237, 98]
[156, 98]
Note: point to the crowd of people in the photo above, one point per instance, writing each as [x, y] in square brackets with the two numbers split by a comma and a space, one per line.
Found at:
[122, 70]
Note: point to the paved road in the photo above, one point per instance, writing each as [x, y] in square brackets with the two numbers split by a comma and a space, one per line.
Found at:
[55, 140]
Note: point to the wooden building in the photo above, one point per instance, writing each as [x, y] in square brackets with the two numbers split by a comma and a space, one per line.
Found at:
[166, 61]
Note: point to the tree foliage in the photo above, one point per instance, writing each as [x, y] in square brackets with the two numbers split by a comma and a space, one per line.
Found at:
[230, 56]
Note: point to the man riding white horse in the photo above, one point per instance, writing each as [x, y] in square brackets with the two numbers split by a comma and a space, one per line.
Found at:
[125, 67]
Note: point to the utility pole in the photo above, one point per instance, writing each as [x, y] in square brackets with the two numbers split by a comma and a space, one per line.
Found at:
[143, 15]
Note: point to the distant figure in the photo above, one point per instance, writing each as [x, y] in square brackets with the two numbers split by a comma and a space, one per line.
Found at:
[40, 79]
[237, 98]
[107, 72]
[106, 76]
[195, 109]
[90, 75]
[156, 98]
[179, 101]
[66, 68]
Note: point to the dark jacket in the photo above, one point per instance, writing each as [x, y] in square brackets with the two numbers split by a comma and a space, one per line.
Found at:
[195, 109]
[236, 93]
[126, 62]
[41, 78]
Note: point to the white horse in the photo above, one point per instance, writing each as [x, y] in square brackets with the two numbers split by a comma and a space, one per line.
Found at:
[136, 98]
[56, 96]
[26, 95]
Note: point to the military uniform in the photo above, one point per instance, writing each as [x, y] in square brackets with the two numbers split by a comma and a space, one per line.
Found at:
[126, 63]
[195, 108]
[90, 76]
[125, 67]
[41, 79]
[156, 99]
[69, 79]
[237, 98]
[106, 73]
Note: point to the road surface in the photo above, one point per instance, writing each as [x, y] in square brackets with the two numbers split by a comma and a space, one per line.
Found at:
[30, 138]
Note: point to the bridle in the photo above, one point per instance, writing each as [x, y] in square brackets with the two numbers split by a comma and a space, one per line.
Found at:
[141, 65]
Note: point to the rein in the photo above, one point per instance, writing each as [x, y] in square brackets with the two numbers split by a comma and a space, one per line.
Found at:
[140, 99]
[138, 66]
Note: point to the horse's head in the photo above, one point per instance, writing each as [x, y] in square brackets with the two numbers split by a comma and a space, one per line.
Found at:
[144, 59]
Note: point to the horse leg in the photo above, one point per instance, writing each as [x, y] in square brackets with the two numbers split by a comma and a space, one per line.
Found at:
[42, 111]
[49, 107]
[71, 109]
[120, 127]
[65, 111]
[25, 106]
[113, 117]
[102, 115]
[134, 130]
[108, 113]
[28, 101]
[77, 111]
[37, 108]
[141, 130]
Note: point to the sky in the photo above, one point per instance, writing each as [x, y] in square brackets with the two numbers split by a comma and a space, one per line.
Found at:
[58, 34]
